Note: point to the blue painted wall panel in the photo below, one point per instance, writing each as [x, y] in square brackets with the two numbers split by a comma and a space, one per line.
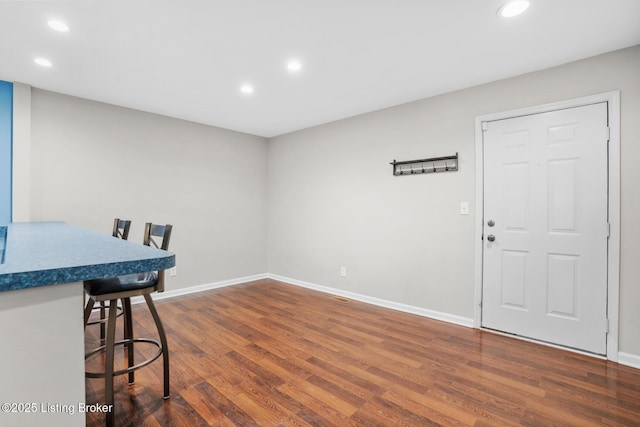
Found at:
[6, 134]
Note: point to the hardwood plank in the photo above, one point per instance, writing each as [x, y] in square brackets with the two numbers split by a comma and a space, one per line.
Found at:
[276, 408]
[212, 410]
[219, 408]
[544, 410]
[352, 383]
[266, 353]
[332, 413]
[435, 408]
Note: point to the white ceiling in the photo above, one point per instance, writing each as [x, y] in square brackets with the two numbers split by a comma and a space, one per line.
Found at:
[188, 58]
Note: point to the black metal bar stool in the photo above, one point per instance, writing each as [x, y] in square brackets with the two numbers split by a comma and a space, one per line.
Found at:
[121, 229]
[123, 288]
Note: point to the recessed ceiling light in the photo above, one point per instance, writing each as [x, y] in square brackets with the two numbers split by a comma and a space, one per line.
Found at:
[43, 62]
[246, 89]
[294, 65]
[513, 8]
[58, 25]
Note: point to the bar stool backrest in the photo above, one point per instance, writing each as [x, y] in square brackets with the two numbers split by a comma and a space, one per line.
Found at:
[121, 228]
[154, 233]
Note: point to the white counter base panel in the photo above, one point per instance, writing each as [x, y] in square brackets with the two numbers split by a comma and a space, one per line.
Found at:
[42, 356]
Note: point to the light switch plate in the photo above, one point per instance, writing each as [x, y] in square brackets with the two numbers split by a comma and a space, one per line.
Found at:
[464, 208]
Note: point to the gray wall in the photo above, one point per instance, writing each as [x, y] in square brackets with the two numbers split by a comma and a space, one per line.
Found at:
[91, 162]
[333, 201]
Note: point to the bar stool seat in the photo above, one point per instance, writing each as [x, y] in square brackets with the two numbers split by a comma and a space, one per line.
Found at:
[125, 283]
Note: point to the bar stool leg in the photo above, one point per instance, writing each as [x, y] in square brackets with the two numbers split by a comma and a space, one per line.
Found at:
[87, 311]
[163, 342]
[108, 368]
[102, 317]
[128, 335]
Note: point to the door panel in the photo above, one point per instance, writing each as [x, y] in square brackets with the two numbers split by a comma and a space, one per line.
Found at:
[517, 187]
[562, 192]
[562, 284]
[513, 279]
[545, 272]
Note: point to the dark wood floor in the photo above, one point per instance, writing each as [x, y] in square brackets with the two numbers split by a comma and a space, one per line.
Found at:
[270, 354]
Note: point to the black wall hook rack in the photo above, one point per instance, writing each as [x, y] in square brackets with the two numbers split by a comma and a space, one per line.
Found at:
[430, 165]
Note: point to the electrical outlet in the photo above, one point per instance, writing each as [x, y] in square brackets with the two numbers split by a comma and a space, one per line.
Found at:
[173, 271]
[343, 271]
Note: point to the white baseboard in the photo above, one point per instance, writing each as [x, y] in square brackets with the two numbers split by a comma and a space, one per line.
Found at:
[206, 287]
[627, 359]
[445, 317]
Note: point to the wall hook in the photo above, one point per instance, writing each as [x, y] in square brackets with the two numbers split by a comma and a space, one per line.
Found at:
[438, 164]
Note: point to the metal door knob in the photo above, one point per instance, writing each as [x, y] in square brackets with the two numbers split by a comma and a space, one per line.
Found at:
[491, 237]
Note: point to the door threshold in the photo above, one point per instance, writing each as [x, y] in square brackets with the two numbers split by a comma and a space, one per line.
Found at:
[545, 343]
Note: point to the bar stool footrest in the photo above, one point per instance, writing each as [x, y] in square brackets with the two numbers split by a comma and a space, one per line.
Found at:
[131, 368]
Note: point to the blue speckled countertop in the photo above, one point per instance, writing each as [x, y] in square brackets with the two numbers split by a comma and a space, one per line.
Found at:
[47, 253]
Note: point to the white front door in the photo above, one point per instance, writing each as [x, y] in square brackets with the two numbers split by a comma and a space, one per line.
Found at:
[546, 226]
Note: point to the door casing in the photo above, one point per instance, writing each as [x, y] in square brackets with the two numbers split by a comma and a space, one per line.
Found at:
[613, 261]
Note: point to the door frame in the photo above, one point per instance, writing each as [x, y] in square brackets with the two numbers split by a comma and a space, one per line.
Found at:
[613, 261]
